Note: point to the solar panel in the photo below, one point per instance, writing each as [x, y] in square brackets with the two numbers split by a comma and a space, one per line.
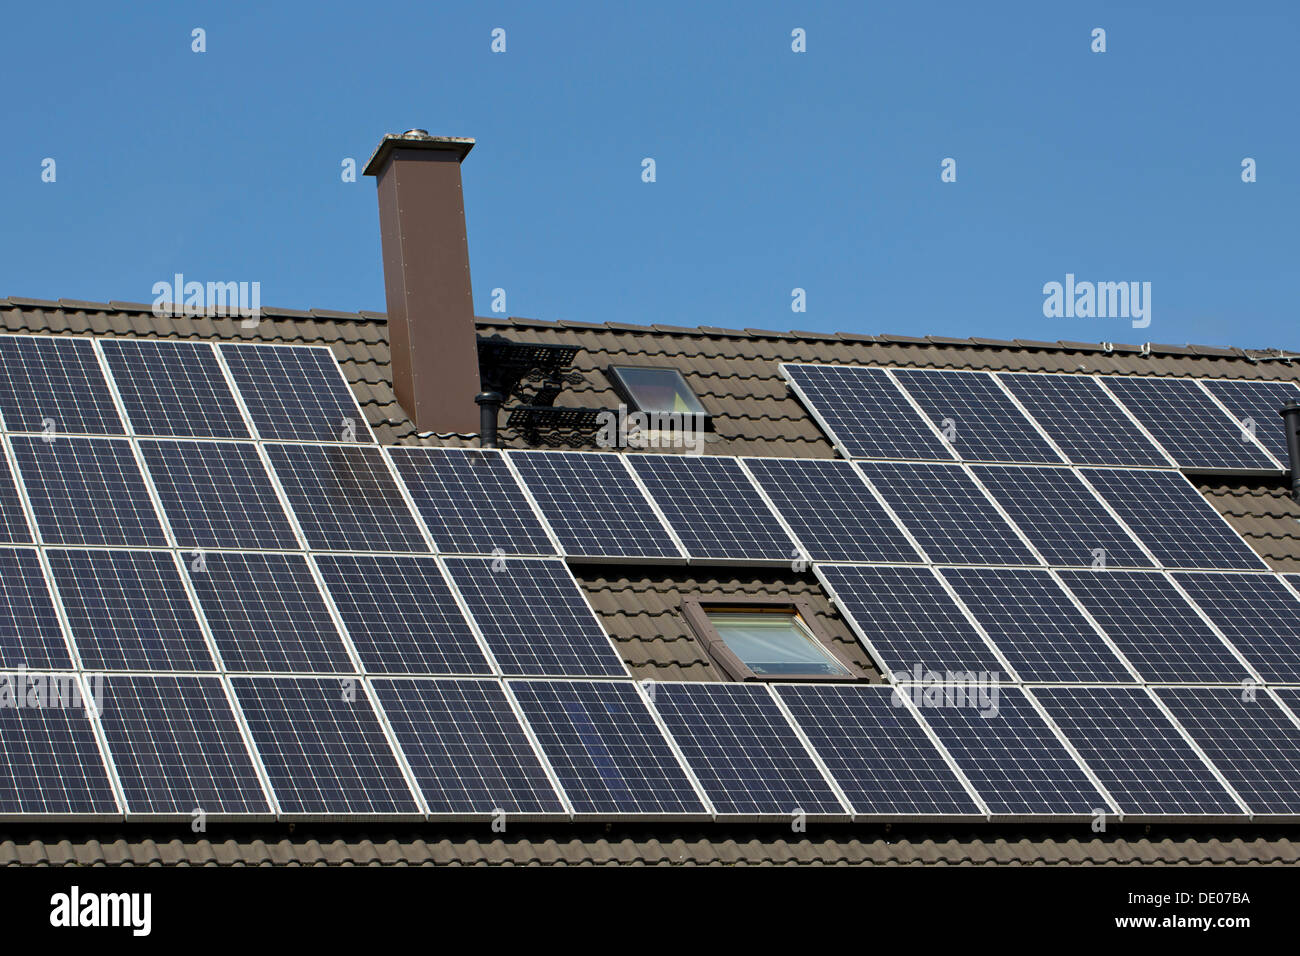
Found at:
[1174, 520]
[607, 751]
[267, 614]
[1154, 627]
[1061, 516]
[743, 751]
[976, 416]
[49, 760]
[401, 615]
[323, 746]
[217, 495]
[1013, 759]
[1139, 756]
[177, 746]
[1256, 406]
[129, 610]
[534, 618]
[947, 513]
[1035, 625]
[30, 635]
[1082, 419]
[907, 620]
[345, 498]
[173, 389]
[593, 505]
[470, 501]
[877, 752]
[1257, 613]
[1187, 422]
[87, 491]
[466, 747]
[295, 393]
[1250, 739]
[865, 413]
[13, 521]
[831, 510]
[55, 385]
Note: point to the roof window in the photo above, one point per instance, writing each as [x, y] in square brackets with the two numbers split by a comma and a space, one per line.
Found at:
[768, 641]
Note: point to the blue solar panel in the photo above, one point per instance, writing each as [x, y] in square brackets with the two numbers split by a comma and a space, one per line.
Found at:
[129, 610]
[976, 416]
[1250, 739]
[1173, 520]
[593, 505]
[1139, 756]
[951, 518]
[714, 508]
[267, 614]
[177, 747]
[87, 491]
[55, 385]
[217, 495]
[13, 521]
[865, 413]
[1082, 419]
[908, 620]
[1256, 406]
[747, 757]
[876, 751]
[401, 615]
[1154, 627]
[607, 751]
[49, 760]
[466, 747]
[1035, 625]
[470, 501]
[345, 498]
[323, 747]
[295, 393]
[173, 389]
[30, 635]
[1257, 613]
[534, 617]
[831, 510]
[1013, 759]
[1061, 516]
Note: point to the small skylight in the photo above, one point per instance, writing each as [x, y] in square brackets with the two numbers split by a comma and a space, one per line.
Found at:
[655, 390]
[761, 640]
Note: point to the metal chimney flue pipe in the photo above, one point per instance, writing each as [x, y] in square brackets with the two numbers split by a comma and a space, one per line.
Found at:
[1291, 422]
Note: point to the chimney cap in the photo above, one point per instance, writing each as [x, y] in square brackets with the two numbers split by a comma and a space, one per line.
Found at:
[415, 139]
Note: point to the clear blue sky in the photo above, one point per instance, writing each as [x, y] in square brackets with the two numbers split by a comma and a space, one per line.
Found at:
[775, 170]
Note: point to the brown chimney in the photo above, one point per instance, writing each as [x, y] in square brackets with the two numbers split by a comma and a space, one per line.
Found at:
[426, 279]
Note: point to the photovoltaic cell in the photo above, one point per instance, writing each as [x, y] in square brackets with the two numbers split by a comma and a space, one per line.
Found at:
[295, 393]
[1082, 419]
[13, 522]
[267, 614]
[1257, 613]
[401, 616]
[1174, 520]
[87, 491]
[1154, 627]
[1062, 517]
[466, 747]
[1185, 420]
[593, 505]
[910, 621]
[1258, 404]
[55, 385]
[876, 751]
[831, 510]
[217, 495]
[470, 501]
[345, 498]
[979, 420]
[1037, 627]
[747, 757]
[534, 617]
[173, 389]
[948, 514]
[605, 748]
[177, 747]
[1138, 755]
[323, 747]
[714, 508]
[30, 635]
[129, 610]
[50, 762]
